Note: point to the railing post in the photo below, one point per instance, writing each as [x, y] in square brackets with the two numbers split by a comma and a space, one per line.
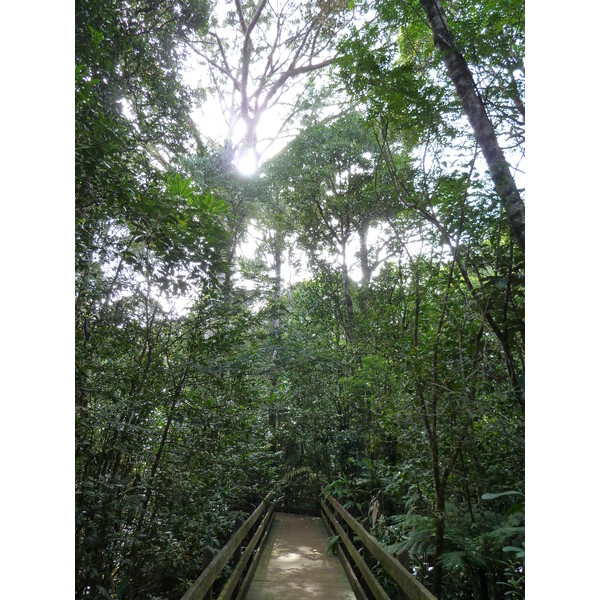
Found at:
[238, 552]
[367, 556]
[207, 555]
[402, 557]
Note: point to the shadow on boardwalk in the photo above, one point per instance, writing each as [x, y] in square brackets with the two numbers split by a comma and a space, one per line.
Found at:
[295, 563]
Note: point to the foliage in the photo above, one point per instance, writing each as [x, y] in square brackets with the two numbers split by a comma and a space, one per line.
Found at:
[389, 366]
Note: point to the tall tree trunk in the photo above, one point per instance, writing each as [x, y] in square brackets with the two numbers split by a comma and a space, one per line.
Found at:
[366, 270]
[440, 529]
[277, 245]
[346, 285]
[161, 447]
[430, 414]
[277, 250]
[475, 110]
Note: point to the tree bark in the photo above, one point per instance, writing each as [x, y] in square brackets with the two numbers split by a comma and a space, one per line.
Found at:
[277, 245]
[277, 251]
[365, 268]
[461, 77]
[346, 286]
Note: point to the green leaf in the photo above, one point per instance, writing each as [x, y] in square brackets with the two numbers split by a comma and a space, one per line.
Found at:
[453, 559]
[520, 552]
[490, 496]
[333, 544]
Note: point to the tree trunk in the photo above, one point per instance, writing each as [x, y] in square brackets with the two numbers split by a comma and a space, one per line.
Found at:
[440, 527]
[277, 249]
[163, 441]
[346, 286]
[366, 270]
[277, 245]
[482, 127]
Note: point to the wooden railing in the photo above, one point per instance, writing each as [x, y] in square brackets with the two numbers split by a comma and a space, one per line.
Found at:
[357, 563]
[257, 526]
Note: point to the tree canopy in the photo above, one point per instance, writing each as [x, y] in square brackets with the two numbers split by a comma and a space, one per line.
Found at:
[351, 315]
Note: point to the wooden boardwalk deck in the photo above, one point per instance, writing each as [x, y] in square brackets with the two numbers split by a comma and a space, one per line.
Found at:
[295, 563]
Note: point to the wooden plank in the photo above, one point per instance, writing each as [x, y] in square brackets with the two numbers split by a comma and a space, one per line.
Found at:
[250, 574]
[360, 593]
[372, 582]
[204, 583]
[407, 582]
[296, 565]
[234, 578]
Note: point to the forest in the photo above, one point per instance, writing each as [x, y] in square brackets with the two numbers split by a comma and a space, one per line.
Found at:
[330, 292]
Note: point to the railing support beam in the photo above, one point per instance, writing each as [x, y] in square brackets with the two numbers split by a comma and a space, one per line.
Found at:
[202, 587]
[408, 584]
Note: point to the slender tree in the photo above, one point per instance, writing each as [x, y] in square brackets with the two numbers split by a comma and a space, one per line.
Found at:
[474, 108]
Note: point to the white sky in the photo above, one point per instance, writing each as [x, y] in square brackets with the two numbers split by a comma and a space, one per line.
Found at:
[211, 121]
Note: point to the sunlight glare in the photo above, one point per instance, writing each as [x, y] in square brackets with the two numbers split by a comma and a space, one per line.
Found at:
[247, 161]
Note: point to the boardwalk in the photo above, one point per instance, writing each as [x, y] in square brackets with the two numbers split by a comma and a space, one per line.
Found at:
[295, 563]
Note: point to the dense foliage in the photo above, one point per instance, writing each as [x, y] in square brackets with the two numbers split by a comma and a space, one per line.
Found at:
[390, 368]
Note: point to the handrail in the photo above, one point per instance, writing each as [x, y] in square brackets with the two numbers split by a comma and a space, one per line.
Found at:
[407, 583]
[202, 587]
